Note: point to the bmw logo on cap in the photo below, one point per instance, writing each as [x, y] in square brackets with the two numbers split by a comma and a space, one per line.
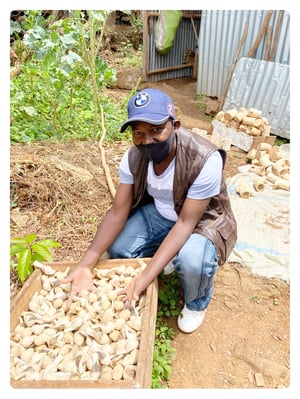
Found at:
[142, 99]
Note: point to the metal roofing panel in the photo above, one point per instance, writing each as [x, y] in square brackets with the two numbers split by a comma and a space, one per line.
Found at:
[220, 34]
[265, 86]
[184, 39]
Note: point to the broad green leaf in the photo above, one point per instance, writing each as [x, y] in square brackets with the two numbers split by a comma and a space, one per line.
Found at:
[37, 257]
[15, 27]
[24, 264]
[18, 240]
[30, 238]
[43, 251]
[167, 371]
[15, 249]
[70, 58]
[31, 111]
[49, 243]
[68, 40]
[48, 45]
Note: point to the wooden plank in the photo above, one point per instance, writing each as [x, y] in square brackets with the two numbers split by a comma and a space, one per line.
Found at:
[170, 68]
[145, 357]
[23, 297]
[144, 374]
[72, 384]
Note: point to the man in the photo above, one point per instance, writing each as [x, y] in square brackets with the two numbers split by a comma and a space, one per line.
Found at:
[171, 205]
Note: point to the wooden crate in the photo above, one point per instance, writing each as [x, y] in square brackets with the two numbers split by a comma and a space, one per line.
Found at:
[143, 376]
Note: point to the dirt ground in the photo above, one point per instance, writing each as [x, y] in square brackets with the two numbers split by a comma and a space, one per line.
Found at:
[244, 341]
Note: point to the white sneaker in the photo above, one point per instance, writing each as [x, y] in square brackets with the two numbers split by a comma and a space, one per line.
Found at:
[189, 320]
[169, 268]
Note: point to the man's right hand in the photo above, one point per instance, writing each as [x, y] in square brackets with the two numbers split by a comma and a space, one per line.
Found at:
[80, 279]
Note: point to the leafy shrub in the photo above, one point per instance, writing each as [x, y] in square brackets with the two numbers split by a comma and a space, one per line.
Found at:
[57, 94]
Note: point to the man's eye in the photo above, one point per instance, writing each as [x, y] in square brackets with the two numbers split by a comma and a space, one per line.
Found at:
[157, 129]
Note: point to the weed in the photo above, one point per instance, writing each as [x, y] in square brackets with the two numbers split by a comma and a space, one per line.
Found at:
[255, 298]
[164, 354]
[202, 106]
[276, 301]
[168, 295]
[280, 140]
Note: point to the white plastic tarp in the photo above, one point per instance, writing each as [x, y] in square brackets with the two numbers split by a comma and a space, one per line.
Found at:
[263, 221]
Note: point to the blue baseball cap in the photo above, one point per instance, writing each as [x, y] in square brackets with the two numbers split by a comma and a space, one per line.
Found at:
[151, 106]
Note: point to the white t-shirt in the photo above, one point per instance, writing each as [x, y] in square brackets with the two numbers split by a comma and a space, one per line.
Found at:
[206, 185]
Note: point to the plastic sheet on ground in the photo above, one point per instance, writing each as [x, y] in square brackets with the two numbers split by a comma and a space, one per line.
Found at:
[263, 222]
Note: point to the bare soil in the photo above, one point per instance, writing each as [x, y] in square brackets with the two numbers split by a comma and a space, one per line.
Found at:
[61, 193]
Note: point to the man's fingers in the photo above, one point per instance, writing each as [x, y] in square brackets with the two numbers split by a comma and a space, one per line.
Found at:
[70, 300]
[69, 303]
[75, 291]
[66, 280]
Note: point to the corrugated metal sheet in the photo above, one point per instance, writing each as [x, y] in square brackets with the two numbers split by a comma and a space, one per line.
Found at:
[255, 83]
[264, 86]
[184, 39]
[220, 34]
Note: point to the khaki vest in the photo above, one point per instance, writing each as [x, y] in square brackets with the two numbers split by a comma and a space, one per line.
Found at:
[218, 223]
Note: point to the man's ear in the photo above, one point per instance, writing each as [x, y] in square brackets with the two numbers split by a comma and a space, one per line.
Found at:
[176, 125]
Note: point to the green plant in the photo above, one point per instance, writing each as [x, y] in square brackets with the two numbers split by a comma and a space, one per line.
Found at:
[58, 91]
[168, 295]
[134, 60]
[280, 140]
[27, 250]
[255, 298]
[201, 102]
[276, 301]
[202, 106]
[163, 354]
[168, 306]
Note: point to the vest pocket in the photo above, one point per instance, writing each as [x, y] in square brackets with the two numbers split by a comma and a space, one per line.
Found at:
[226, 237]
[222, 232]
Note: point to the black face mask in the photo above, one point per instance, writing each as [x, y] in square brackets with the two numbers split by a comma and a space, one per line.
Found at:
[157, 152]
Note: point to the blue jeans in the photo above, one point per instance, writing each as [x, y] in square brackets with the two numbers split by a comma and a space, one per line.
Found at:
[196, 263]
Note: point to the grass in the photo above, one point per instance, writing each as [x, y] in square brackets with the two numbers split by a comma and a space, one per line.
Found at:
[168, 306]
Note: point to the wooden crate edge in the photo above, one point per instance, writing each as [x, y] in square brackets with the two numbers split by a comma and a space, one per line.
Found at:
[144, 376]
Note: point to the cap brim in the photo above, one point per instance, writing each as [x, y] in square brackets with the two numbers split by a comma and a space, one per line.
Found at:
[143, 119]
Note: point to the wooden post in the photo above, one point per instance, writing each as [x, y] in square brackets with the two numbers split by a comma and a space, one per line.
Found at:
[268, 44]
[277, 29]
[145, 46]
[260, 34]
[195, 66]
[243, 38]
